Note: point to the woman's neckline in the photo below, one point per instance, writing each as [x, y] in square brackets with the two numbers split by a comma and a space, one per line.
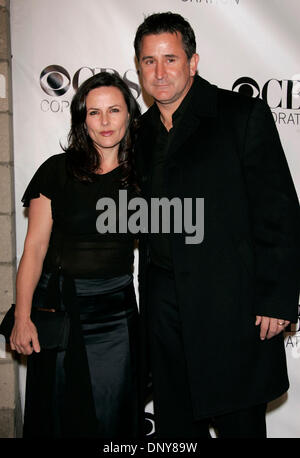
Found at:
[108, 173]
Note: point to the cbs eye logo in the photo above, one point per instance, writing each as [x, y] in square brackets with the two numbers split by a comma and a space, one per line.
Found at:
[55, 80]
[246, 86]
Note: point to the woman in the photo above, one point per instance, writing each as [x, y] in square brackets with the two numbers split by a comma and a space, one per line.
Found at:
[90, 388]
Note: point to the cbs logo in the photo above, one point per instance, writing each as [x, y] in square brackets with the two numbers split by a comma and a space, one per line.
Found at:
[55, 80]
[276, 93]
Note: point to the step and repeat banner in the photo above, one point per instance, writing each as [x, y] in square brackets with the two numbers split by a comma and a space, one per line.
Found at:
[250, 46]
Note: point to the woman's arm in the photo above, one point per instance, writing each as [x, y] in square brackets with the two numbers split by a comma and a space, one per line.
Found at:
[35, 248]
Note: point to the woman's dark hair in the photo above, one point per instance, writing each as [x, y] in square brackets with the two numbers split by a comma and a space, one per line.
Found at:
[83, 159]
[166, 22]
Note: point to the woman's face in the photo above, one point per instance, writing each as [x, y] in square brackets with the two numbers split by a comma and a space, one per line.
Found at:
[106, 117]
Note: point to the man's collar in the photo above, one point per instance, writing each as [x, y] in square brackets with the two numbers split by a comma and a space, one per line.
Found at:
[204, 97]
[185, 102]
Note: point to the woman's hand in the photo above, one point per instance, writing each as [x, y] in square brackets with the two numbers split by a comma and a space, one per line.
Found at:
[24, 337]
[270, 327]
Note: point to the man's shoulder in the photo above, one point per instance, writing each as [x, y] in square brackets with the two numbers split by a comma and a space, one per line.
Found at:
[147, 116]
[238, 102]
[146, 123]
[225, 98]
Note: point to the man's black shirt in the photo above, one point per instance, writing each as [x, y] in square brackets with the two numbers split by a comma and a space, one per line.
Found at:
[159, 244]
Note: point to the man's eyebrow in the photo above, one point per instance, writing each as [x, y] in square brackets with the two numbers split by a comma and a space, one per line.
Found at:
[147, 57]
[165, 55]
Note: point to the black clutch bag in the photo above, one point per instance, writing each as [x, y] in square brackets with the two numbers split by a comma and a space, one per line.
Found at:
[52, 327]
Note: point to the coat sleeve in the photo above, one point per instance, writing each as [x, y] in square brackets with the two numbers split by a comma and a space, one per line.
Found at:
[275, 218]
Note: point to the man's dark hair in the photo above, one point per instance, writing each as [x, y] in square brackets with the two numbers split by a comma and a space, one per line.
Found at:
[83, 158]
[166, 22]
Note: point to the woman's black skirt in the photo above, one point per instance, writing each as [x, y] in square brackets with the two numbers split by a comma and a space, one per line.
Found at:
[109, 325]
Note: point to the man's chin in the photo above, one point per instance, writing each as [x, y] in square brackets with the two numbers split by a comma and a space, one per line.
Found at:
[164, 100]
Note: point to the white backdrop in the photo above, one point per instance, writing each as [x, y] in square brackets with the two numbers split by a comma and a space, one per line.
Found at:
[248, 45]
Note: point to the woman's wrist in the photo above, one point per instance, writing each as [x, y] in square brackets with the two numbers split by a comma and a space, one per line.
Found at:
[22, 314]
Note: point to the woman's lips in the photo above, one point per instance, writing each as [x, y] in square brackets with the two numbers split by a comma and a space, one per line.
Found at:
[107, 133]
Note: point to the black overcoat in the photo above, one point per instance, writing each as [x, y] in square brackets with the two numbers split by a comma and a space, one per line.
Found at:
[227, 150]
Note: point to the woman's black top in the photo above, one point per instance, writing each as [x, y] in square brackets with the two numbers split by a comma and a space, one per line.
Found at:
[76, 247]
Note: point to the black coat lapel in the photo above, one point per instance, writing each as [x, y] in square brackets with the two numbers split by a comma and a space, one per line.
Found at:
[198, 115]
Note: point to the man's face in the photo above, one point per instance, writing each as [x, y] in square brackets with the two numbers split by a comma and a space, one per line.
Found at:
[166, 73]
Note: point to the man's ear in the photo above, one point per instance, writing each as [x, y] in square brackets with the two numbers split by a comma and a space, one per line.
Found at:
[194, 64]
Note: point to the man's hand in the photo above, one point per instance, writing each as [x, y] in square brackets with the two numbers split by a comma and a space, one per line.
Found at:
[270, 327]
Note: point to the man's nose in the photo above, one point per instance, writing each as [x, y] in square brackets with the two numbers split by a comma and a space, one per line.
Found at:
[160, 70]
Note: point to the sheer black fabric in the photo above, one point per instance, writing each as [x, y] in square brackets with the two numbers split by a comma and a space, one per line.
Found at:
[75, 245]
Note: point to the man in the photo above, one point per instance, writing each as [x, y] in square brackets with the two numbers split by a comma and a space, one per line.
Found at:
[214, 311]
